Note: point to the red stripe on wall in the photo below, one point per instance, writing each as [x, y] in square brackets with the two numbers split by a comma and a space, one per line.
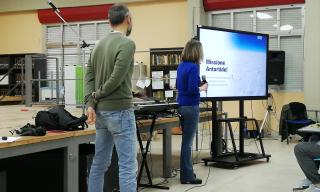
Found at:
[213, 5]
[71, 14]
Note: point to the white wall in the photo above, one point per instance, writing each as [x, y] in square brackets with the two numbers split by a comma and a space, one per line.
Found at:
[312, 55]
[196, 16]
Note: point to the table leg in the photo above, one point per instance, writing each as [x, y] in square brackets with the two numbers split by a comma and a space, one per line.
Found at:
[71, 168]
[167, 153]
[3, 181]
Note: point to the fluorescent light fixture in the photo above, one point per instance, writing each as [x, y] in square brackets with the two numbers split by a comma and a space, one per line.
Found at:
[264, 16]
[286, 27]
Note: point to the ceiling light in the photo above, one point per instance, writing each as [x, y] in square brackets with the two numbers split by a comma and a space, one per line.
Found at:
[264, 16]
[286, 27]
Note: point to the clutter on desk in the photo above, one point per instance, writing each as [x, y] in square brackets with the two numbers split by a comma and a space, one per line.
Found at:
[9, 139]
[57, 118]
[316, 125]
[29, 130]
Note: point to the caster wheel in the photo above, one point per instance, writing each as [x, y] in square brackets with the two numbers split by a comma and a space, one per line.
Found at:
[235, 166]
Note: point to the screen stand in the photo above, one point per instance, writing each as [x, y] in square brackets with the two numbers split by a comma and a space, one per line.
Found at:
[237, 156]
[216, 142]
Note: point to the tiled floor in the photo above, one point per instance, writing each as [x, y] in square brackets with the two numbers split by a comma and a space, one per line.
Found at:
[279, 175]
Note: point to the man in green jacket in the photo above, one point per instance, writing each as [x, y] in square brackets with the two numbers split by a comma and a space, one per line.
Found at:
[108, 81]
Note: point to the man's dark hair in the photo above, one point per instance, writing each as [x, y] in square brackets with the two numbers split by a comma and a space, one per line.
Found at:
[117, 14]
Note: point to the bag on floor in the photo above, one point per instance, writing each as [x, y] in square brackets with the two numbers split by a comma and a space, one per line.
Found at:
[58, 118]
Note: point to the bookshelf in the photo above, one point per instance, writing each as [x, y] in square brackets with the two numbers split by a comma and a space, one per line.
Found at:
[163, 68]
[12, 76]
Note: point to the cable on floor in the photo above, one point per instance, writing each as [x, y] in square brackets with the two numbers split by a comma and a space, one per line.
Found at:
[198, 186]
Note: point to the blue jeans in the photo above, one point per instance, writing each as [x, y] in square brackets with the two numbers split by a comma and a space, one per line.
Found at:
[189, 122]
[115, 128]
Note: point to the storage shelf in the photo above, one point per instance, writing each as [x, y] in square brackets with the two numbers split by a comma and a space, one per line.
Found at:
[165, 60]
[15, 66]
[11, 98]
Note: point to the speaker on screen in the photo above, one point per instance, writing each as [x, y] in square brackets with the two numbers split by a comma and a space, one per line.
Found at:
[276, 67]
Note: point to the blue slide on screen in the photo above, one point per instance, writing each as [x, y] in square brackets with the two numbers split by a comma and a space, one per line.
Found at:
[234, 63]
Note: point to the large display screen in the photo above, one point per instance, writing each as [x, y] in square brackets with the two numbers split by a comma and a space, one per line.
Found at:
[234, 64]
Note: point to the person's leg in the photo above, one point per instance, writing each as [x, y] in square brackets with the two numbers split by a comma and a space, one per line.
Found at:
[303, 184]
[313, 188]
[189, 123]
[305, 154]
[102, 158]
[123, 128]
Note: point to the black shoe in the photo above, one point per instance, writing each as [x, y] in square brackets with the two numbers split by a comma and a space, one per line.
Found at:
[195, 181]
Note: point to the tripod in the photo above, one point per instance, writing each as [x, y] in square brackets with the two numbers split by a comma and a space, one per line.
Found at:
[267, 117]
[83, 46]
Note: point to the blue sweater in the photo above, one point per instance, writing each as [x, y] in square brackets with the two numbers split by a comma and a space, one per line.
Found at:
[188, 82]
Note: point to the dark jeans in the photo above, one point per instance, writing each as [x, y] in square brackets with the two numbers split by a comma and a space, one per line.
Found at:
[305, 153]
[189, 122]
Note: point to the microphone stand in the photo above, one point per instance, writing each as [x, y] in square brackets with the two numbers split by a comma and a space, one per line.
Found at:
[83, 46]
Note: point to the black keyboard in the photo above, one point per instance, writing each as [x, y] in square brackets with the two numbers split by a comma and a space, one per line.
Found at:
[155, 107]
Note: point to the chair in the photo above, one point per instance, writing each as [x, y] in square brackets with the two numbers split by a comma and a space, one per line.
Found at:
[295, 117]
[317, 161]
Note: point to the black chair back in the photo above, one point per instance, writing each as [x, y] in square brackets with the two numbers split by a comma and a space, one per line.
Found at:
[298, 111]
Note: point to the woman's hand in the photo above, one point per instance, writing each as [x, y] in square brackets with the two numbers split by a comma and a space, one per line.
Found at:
[203, 87]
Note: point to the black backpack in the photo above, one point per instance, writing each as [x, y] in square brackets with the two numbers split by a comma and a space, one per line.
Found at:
[58, 118]
[29, 130]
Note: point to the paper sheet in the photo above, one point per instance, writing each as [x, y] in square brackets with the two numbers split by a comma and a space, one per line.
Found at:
[141, 84]
[157, 80]
[9, 139]
[147, 82]
[168, 93]
[157, 84]
[173, 77]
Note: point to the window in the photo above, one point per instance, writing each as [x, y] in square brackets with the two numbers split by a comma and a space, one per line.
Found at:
[243, 21]
[62, 42]
[285, 26]
[222, 20]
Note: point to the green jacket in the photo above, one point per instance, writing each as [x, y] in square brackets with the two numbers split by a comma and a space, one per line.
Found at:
[109, 73]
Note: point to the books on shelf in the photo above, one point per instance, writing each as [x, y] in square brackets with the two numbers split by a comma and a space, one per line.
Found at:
[19, 77]
[158, 94]
[19, 62]
[4, 62]
[165, 59]
[4, 65]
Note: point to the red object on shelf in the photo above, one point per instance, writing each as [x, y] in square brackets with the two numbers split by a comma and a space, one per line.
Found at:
[72, 14]
[214, 5]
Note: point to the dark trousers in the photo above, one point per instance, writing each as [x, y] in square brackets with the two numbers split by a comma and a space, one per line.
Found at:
[189, 123]
[305, 153]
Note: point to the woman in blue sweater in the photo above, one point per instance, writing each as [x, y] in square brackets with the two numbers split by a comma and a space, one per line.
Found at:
[188, 85]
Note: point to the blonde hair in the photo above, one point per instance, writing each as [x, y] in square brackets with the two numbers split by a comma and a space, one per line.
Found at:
[193, 52]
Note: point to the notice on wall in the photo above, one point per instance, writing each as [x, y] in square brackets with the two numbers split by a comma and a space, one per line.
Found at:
[173, 79]
[157, 80]
[168, 93]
